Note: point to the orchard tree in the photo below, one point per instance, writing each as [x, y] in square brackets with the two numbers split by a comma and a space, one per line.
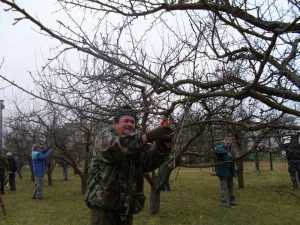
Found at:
[73, 143]
[20, 134]
[172, 58]
[176, 52]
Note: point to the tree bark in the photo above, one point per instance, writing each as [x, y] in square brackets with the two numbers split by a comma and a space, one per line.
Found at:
[154, 200]
[240, 173]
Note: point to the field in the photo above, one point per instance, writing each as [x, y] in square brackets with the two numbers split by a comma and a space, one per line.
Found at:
[267, 199]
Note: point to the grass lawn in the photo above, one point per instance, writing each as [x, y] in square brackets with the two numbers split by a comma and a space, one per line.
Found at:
[267, 199]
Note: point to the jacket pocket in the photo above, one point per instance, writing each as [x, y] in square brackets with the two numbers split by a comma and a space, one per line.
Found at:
[138, 203]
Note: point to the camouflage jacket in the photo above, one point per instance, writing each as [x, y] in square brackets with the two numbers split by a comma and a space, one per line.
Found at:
[116, 174]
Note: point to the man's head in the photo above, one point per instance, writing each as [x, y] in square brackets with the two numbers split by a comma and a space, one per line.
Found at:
[9, 154]
[36, 147]
[227, 141]
[125, 119]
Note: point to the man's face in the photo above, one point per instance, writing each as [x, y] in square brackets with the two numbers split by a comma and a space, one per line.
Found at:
[227, 143]
[126, 124]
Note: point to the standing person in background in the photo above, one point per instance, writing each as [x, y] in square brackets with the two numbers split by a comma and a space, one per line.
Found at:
[121, 156]
[292, 150]
[2, 173]
[39, 156]
[225, 170]
[12, 168]
[64, 167]
[18, 167]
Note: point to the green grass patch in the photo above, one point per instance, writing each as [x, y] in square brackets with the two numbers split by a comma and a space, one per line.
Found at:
[267, 199]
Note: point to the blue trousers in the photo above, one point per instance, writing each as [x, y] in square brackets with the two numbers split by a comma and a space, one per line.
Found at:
[294, 170]
[38, 187]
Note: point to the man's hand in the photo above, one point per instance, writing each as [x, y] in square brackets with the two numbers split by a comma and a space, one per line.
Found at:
[164, 134]
[229, 154]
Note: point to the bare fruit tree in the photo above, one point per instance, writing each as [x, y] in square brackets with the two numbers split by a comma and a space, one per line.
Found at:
[205, 64]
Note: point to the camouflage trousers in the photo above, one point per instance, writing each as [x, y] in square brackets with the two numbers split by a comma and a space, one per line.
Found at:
[105, 217]
[227, 191]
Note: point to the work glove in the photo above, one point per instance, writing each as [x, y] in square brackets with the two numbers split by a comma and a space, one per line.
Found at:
[163, 134]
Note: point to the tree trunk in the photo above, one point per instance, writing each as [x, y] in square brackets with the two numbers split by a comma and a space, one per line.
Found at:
[256, 161]
[154, 200]
[271, 161]
[32, 174]
[156, 183]
[83, 185]
[83, 178]
[85, 170]
[50, 180]
[240, 173]
[50, 167]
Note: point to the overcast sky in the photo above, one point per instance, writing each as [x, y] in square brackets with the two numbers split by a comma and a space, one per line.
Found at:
[22, 48]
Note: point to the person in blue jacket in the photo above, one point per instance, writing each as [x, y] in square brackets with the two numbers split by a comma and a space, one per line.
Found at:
[225, 170]
[39, 156]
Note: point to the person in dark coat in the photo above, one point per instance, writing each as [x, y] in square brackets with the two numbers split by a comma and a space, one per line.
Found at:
[292, 150]
[2, 173]
[12, 168]
[225, 170]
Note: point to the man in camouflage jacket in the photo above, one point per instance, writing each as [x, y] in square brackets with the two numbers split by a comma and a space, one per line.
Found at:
[121, 156]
